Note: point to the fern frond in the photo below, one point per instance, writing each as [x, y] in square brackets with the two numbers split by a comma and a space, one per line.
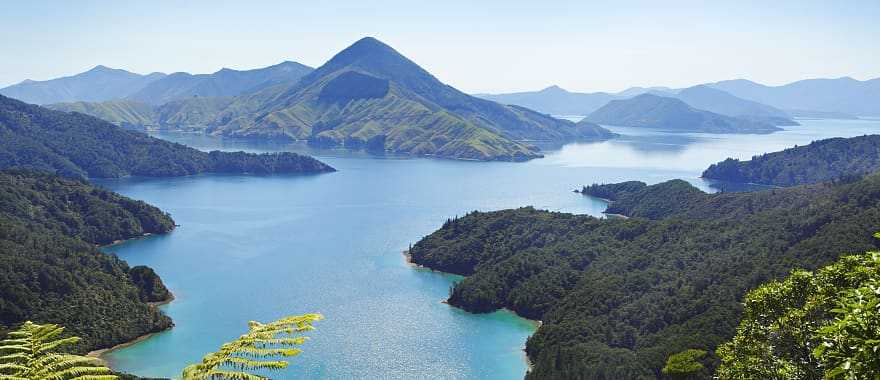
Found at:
[30, 355]
[252, 351]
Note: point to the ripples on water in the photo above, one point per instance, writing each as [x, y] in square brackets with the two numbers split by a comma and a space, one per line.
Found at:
[261, 247]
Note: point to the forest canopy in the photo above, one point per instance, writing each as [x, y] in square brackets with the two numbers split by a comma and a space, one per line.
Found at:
[618, 297]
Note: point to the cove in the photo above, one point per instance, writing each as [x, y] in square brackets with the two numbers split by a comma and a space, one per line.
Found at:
[262, 247]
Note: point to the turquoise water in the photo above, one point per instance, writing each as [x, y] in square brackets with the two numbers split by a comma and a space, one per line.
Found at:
[259, 248]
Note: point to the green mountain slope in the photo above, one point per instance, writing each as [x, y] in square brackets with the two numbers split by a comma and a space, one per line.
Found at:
[96, 85]
[822, 160]
[73, 144]
[223, 83]
[189, 113]
[369, 95]
[670, 114]
[51, 272]
[119, 112]
[618, 296]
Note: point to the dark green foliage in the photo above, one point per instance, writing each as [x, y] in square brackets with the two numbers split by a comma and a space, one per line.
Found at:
[76, 145]
[619, 296]
[611, 191]
[810, 325]
[352, 85]
[50, 270]
[823, 160]
[74, 208]
[670, 114]
[658, 201]
[149, 284]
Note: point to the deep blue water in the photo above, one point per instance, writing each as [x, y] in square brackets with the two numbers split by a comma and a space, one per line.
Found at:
[262, 247]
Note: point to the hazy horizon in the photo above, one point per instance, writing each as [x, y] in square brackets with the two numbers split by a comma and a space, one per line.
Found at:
[495, 47]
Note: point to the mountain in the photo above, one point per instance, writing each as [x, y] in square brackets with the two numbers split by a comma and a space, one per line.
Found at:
[370, 96]
[636, 91]
[51, 271]
[119, 112]
[96, 85]
[823, 160]
[616, 296]
[846, 95]
[78, 145]
[670, 114]
[188, 113]
[223, 83]
[714, 100]
[554, 100]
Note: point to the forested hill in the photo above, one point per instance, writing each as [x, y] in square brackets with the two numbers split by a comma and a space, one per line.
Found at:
[51, 271]
[636, 199]
[822, 160]
[77, 145]
[618, 296]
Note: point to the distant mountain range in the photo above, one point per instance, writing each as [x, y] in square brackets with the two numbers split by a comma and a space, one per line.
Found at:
[671, 114]
[714, 100]
[843, 98]
[104, 84]
[846, 95]
[96, 85]
[370, 96]
[367, 97]
[223, 83]
[555, 100]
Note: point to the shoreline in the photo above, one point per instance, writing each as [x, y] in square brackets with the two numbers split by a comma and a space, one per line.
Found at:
[99, 353]
[535, 322]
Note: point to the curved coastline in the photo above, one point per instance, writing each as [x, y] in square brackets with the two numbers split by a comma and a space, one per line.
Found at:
[535, 322]
[99, 353]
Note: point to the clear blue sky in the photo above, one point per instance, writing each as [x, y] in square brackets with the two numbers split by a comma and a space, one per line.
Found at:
[490, 46]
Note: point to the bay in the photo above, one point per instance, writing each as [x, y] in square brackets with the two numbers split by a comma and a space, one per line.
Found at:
[262, 247]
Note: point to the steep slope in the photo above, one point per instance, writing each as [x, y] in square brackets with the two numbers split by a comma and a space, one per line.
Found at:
[73, 144]
[652, 111]
[554, 100]
[223, 83]
[189, 113]
[714, 100]
[96, 85]
[823, 160]
[846, 95]
[51, 272]
[369, 95]
[119, 112]
[618, 296]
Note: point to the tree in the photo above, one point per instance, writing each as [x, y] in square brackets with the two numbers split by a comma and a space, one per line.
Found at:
[32, 353]
[684, 365]
[811, 325]
[259, 350]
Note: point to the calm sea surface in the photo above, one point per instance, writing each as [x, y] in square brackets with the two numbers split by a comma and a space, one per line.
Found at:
[263, 247]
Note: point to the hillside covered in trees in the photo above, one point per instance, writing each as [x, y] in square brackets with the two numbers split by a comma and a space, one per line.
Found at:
[617, 297]
[77, 145]
[52, 272]
[822, 160]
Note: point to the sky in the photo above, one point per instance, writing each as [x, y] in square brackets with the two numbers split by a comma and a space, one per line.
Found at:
[476, 46]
